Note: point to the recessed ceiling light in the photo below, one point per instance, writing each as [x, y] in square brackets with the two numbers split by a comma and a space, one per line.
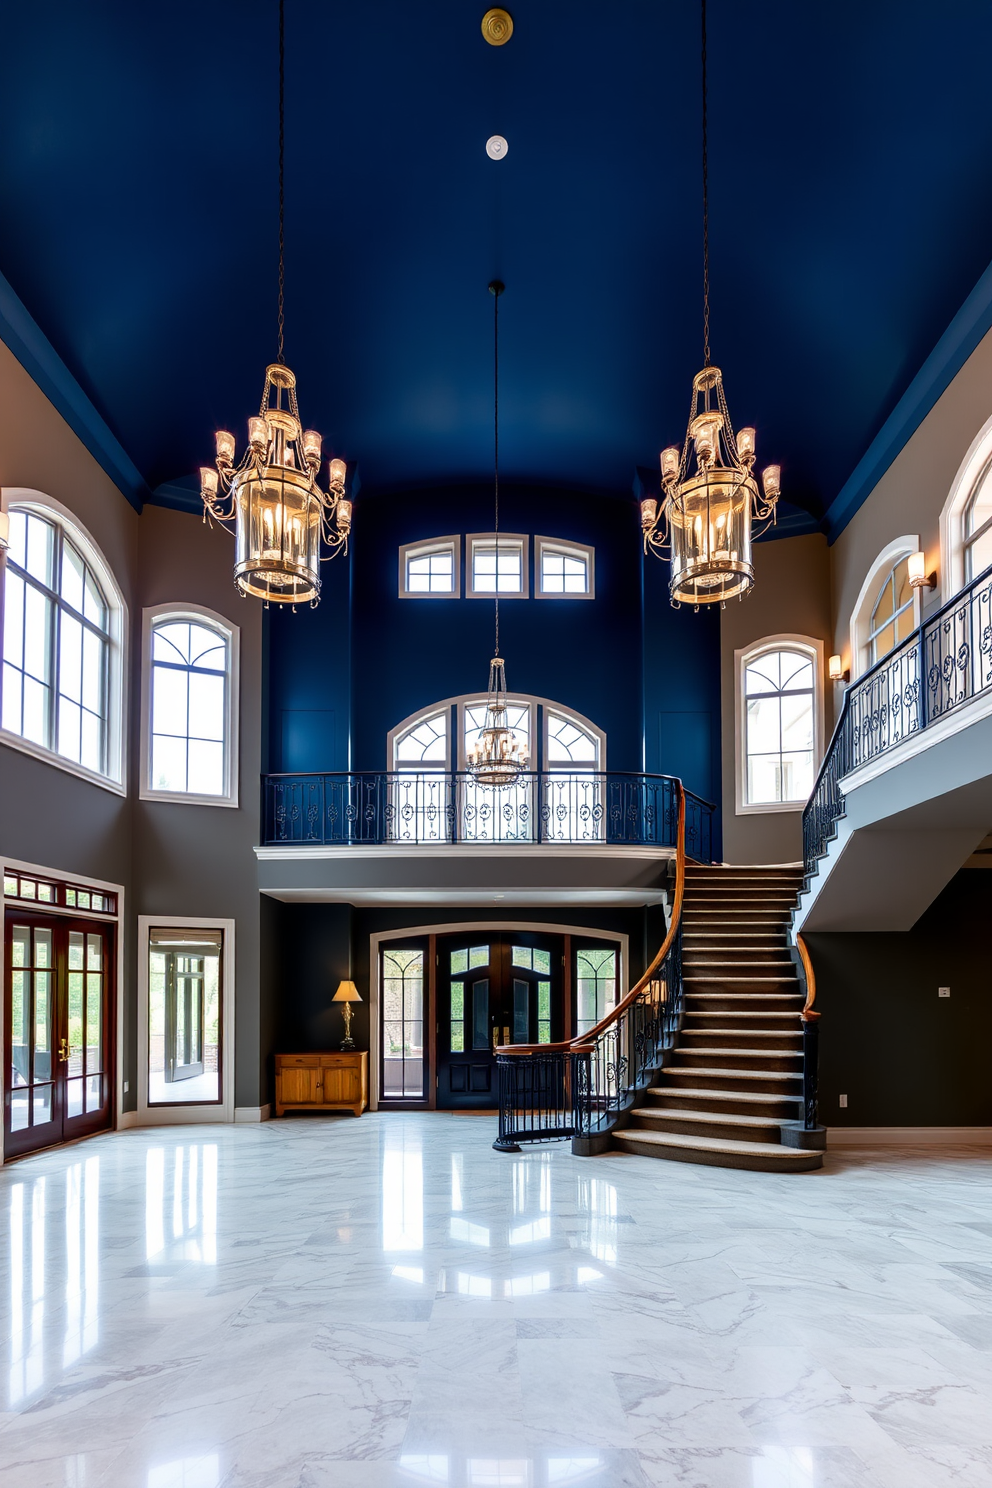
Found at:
[496, 147]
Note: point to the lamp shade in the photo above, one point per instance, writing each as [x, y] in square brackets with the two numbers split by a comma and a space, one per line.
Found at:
[347, 992]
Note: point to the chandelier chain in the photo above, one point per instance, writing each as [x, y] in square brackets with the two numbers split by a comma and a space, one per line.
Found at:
[706, 205]
[496, 449]
[282, 178]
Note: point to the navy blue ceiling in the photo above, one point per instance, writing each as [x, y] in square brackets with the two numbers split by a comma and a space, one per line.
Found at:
[851, 214]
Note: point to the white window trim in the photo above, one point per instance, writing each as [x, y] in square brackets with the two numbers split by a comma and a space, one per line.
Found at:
[183, 611]
[517, 539]
[742, 659]
[115, 779]
[952, 544]
[860, 622]
[570, 550]
[180, 1115]
[453, 544]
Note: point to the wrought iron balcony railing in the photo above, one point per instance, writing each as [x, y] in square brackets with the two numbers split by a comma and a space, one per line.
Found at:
[944, 664]
[419, 807]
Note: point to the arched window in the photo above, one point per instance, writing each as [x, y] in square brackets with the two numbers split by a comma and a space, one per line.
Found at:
[190, 706]
[977, 534]
[558, 798]
[893, 615]
[62, 644]
[779, 729]
[966, 520]
[887, 609]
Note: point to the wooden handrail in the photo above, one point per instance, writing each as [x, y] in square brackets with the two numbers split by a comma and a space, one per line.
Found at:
[808, 1014]
[578, 1045]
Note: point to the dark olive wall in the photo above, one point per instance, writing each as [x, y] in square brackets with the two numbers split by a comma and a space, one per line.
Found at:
[308, 948]
[901, 1054]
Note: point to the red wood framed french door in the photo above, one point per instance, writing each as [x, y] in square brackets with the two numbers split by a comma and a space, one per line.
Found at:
[58, 1034]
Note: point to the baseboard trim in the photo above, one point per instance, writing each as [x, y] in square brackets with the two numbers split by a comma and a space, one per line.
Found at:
[909, 1136]
[252, 1113]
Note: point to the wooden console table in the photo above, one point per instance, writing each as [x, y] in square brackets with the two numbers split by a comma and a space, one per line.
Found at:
[322, 1082]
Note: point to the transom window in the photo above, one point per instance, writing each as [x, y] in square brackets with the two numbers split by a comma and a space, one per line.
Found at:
[430, 568]
[563, 570]
[503, 571]
[779, 726]
[893, 617]
[190, 745]
[978, 530]
[58, 643]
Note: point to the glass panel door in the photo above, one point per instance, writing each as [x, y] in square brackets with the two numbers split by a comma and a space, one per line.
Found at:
[57, 1035]
[184, 1016]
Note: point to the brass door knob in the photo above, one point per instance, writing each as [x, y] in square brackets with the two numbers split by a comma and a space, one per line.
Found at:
[64, 1050]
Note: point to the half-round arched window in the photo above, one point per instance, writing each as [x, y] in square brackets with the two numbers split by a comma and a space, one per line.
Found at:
[190, 712]
[560, 796]
[63, 640]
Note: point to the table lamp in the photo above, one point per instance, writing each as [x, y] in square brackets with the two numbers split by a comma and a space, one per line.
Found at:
[347, 993]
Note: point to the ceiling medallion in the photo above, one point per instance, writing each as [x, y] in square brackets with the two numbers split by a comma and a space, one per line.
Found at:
[496, 147]
[497, 26]
[704, 519]
[497, 756]
[279, 512]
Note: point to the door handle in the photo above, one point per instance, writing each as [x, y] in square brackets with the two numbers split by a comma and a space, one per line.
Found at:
[64, 1050]
[495, 1039]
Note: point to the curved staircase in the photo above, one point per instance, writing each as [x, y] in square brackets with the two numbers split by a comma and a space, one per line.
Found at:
[735, 1073]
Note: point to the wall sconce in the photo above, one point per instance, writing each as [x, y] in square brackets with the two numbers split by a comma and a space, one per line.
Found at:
[837, 671]
[347, 993]
[918, 576]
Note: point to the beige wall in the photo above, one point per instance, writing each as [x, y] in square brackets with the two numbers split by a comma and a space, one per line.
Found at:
[910, 496]
[791, 596]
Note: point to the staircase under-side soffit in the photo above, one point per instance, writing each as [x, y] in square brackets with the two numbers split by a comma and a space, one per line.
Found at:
[735, 1074]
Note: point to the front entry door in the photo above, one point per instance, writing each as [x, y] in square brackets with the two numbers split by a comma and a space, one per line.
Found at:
[59, 976]
[501, 988]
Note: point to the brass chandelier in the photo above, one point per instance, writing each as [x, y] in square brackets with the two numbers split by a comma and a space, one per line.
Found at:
[281, 515]
[706, 516]
[496, 758]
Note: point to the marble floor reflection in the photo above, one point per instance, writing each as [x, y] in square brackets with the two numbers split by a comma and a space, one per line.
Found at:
[388, 1303]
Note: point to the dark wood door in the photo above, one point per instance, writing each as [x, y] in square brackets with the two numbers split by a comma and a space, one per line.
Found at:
[57, 1038]
[499, 988]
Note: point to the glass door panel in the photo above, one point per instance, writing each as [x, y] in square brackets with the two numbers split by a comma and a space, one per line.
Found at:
[184, 1016]
[402, 1027]
[56, 1085]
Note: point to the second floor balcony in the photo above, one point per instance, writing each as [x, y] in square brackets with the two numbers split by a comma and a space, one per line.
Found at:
[419, 836]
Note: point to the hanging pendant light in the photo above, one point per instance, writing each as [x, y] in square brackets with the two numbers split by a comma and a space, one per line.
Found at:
[279, 511]
[497, 757]
[711, 500]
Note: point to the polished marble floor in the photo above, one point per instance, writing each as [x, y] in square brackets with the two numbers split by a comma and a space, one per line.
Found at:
[387, 1302]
